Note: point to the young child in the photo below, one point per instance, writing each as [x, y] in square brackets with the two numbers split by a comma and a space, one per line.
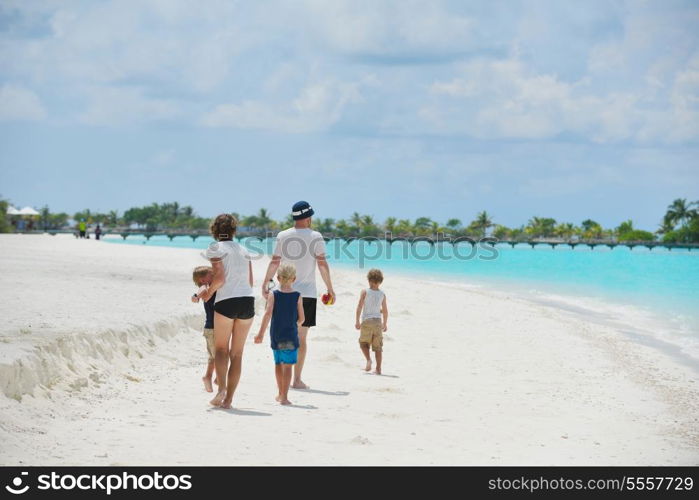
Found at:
[372, 307]
[202, 277]
[285, 309]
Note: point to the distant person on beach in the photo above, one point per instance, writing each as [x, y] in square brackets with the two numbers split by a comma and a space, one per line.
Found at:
[98, 232]
[234, 306]
[285, 310]
[82, 228]
[304, 248]
[374, 318]
[202, 276]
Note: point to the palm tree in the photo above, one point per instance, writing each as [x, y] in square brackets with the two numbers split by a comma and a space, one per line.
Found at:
[326, 226]
[454, 224]
[624, 227]
[667, 226]
[342, 228]
[113, 218]
[368, 226]
[356, 222]
[422, 225]
[45, 216]
[263, 219]
[404, 227]
[591, 229]
[502, 232]
[541, 226]
[565, 230]
[250, 221]
[680, 211]
[390, 224]
[482, 222]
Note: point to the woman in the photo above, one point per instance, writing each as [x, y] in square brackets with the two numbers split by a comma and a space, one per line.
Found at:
[234, 307]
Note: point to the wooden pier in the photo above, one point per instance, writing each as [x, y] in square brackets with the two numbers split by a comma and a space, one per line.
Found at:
[432, 240]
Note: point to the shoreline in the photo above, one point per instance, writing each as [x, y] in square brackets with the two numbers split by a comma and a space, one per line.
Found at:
[472, 377]
[646, 325]
[666, 315]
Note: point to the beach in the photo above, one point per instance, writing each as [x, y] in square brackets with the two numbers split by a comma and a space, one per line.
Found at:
[101, 358]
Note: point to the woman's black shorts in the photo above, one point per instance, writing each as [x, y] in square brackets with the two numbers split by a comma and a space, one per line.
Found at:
[236, 307]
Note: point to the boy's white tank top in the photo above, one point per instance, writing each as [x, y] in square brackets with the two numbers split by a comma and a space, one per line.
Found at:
[372, 304]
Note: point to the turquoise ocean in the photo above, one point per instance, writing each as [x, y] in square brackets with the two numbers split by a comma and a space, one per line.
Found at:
[654, 292]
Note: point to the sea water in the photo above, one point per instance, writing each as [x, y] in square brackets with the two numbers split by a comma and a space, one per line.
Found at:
[655, 293]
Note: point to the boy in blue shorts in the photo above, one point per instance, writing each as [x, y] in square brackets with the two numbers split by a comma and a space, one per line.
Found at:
[285, 310]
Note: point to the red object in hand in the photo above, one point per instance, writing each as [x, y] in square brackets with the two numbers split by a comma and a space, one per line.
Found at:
[327, 299]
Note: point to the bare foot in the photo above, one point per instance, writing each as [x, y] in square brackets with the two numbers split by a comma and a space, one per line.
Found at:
[226, 404]
[218, 399]
[285, 402]
[207, 384]
[376, 372]
[299, 385]
[278, 398]
[368, 366]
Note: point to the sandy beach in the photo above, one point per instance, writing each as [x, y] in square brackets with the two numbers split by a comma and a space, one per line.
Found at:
[101, 358]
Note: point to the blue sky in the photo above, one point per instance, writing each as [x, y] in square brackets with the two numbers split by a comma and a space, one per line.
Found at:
[406, 108]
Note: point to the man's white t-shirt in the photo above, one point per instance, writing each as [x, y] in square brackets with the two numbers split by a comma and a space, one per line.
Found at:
[236, 263]
[300, 247]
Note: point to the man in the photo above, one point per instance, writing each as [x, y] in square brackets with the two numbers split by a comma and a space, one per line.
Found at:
[304, 248]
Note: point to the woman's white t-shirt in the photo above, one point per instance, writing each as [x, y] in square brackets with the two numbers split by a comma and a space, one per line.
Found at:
[236, 262]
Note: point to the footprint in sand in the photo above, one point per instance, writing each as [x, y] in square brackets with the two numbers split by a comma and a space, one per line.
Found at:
[389, 390]
[326, 339]
[360, 440]
[391, 416]
[334, 358]
[384, 390]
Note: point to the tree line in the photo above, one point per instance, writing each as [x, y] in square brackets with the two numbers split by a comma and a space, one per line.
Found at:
[680, 224]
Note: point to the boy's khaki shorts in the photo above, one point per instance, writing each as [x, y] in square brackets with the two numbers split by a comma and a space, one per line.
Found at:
[371, 334]
[209, 336]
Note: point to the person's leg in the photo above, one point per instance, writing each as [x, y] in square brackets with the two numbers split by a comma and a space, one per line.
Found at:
[298, 367]
[286, 382]
[367, 356]
[379, 356]
[241, 327]
[377, 346]
[207, 376]
[223, 327]
[210, 366]
[280, 381]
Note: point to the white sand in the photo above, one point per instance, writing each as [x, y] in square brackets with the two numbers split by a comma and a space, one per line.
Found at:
[101, 356]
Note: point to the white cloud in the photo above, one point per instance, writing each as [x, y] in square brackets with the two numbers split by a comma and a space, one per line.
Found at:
[281, 66]
[109, 42]
[389, 27]
[506, 99]
[316, 107]
[17, 103]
